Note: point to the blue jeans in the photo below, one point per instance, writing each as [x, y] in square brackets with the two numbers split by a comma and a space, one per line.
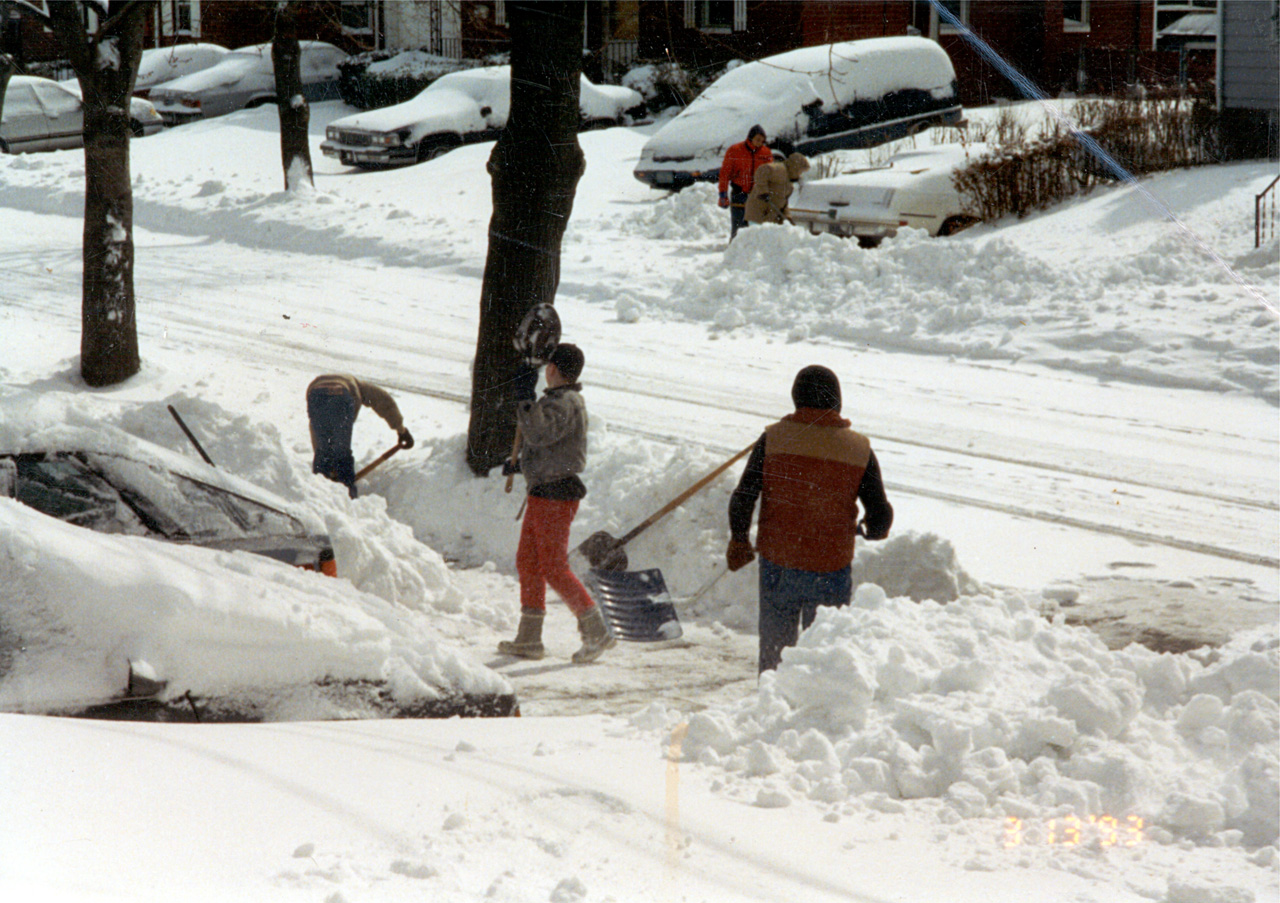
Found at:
[737, 210]
[789, 600]
[333, 414]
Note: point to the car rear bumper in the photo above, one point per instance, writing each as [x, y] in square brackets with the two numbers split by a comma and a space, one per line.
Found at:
[818, 221]
[178, 115]
[674, 179]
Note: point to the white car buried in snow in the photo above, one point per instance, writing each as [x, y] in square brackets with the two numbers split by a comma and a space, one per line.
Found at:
[43, 115]
[848, 95]
[457, 108]
[912, 189]
[245, 78]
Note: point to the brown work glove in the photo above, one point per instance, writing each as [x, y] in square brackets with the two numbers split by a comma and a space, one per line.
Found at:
[739, 554]
[406, 439]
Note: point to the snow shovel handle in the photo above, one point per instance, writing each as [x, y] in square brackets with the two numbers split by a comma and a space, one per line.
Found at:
[178, 417]
[368, 468]
[684, 496]
[515, 456]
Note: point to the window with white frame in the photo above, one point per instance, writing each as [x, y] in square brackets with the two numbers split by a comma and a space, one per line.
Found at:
[180, 17]
[499, 12]
[1075, 15]
[356, 17]
[959, 9]
[716, 15]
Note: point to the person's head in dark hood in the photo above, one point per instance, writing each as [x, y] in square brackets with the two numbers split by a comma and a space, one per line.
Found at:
[816, 387]
[756, 137]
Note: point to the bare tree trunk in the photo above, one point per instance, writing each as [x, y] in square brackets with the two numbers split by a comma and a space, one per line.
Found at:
[106, 62]
[535, 167]
[295, 114]
[7, 68]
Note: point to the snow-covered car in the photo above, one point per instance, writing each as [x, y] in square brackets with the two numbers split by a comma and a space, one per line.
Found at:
[245, 78]
[123, 627]
[913, 189]
[42, 115]
[137, 488]
[457, 108]
[834, 96]
[163, 64]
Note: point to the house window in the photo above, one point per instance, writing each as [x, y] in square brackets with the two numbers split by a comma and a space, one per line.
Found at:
[959, 10]
[1075, 15]
[356, 17]
[180, 17]
[499, 12]
[719, 16]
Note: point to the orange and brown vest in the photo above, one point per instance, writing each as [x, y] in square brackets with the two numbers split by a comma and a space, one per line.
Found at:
[813, 468]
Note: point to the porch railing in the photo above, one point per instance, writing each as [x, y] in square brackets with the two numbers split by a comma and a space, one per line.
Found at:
[1264, 214]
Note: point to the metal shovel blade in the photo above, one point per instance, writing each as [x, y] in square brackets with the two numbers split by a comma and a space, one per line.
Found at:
[636, 604]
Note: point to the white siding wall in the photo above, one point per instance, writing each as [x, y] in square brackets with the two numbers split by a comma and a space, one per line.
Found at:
[1250, 55]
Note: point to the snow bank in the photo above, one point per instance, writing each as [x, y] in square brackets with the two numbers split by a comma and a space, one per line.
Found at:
[984, 709]
[938, 296]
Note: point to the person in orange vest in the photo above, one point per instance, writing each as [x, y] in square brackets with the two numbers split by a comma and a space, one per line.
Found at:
[810, 471]
[737, 175]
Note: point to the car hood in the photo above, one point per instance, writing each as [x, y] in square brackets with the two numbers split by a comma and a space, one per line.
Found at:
[430, 111]
[230, 71]
[772, 92]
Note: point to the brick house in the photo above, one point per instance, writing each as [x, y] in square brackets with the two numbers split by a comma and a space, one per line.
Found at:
[1085, 45]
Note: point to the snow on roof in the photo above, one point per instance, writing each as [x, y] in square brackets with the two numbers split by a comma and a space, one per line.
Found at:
[772, 92]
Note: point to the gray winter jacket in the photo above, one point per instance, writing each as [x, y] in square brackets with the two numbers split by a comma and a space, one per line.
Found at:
[553, 447]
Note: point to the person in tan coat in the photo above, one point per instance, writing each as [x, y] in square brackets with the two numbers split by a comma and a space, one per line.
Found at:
[333, 402]
[767, 202]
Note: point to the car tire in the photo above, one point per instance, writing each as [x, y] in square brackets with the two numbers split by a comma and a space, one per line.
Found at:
[869, 241]
[953, 224]
[136, 129]
[437, 145]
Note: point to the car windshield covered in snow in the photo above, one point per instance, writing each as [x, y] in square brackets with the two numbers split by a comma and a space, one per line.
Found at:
[457, 108]
[145, 490]
[847, 95]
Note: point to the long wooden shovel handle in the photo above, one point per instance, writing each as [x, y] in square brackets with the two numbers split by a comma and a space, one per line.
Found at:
[684, 496]
[515, 456]
[364, 471]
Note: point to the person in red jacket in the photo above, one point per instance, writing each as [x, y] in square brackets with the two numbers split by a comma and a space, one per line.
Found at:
[737, 175]
[809, 470]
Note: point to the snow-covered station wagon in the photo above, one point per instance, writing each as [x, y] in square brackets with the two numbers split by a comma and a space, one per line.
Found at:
[830, 97]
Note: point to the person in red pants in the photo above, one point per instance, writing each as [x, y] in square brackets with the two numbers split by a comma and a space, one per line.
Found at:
[553, 451]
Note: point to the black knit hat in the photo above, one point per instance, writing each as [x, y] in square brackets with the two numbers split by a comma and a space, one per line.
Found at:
[755, 130]
[568, 360]
[816, 387]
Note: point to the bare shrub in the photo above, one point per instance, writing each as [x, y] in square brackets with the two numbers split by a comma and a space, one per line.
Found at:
[1141, 135]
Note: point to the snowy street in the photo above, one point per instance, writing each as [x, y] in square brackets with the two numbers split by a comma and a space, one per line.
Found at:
[1077, 420]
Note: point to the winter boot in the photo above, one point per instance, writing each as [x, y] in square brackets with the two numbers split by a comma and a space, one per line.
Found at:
[528, 641]
[596, 637]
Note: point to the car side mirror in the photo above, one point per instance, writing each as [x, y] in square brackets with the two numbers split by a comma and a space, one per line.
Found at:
[8, 478]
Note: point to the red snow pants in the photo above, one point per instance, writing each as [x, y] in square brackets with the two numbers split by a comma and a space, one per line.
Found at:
[542, 558]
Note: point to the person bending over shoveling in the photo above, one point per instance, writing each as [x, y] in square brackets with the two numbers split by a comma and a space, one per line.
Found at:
[553, 451]
[333, 402]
